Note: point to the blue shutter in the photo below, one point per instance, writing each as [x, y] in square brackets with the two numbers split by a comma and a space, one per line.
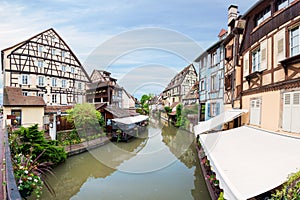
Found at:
[208, 110]
[218, 108]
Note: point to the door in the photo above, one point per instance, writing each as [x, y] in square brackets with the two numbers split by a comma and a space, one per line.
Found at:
[17, 121]
[255, 109]
[291, 112]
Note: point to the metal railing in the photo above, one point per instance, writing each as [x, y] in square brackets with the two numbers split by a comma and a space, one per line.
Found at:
[12, 192]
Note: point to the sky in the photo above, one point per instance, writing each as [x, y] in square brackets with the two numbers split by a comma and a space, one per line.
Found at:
[143, 43]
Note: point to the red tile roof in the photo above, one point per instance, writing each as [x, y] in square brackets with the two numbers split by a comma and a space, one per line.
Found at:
[13, 97]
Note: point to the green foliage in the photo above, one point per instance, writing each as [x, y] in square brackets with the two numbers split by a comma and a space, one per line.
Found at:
[31, 141]
[85, 118]
[178, 115]
[221, 197]
[290, 190]
[67, 137]
[187, 111]
[168, 109]
[28, 174]
[144, 103]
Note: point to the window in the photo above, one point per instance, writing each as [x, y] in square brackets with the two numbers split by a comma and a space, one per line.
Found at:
[79, 86]
[214, 109]
[294, 41]
[214, 83]
[40, 50]
[202, 85]
[214, 60]
[40, 63]
[229, 52]
[25, 93]
[25, 80]
[63, 83]
[41, 95]
[53, 51]
[41, 81]
[54, 82]
[256, 60]
[63, 54]
[282, 4]
[63, 68]
[72, 70]
[228, 82]
[263, 16]
[54, 98]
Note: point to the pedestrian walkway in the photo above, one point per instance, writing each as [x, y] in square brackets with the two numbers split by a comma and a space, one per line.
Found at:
[2, 146]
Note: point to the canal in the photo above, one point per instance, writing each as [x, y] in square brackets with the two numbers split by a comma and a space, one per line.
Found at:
[161, 163]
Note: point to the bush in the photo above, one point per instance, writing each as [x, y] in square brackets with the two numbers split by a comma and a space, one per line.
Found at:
[31, 141]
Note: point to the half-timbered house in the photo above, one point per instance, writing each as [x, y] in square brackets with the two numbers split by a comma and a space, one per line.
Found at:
[270, 51]
[104, 89]
[232, 63]
[211, 79]
[180, 85]
[45, 66]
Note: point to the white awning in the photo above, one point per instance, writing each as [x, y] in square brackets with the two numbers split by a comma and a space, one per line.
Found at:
[250, 161]
[131, 120]
[218, 120]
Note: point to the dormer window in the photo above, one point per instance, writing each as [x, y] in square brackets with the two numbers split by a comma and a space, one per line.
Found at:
[262, 16]
[280, 4]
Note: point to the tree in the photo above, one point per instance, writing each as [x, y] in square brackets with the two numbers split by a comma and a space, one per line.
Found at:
[178, 115]
[86, 119]
[145, 103]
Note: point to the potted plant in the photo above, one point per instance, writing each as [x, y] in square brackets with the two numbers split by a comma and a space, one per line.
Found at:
[28, 173]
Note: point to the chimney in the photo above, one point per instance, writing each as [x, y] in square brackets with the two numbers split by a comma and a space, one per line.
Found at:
[232, 15]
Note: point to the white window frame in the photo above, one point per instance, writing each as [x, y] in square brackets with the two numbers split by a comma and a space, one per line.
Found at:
[79, 86]
[25, 79]
[63, 68]
[256, 60]
[283, 4]
[54, 82]
[294, 41]
[54, 98]
[39, 81]
[40, 63]
[40, 50]
[214, 82]
[266, 13]
[63, 83]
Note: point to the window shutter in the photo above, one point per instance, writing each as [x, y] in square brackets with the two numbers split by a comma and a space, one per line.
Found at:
[280, 45]
[246, 64]
[20, 79]
[218, 109]
[264, 55]
[208, 110]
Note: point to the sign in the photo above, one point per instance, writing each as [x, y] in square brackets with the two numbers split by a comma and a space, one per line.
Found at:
[11, 117]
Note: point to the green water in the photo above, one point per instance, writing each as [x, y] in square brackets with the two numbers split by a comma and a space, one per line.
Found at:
[161, 164]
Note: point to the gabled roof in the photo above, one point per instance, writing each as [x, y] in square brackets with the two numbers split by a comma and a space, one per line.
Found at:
[101, 75]
[13, 97]
[53, 32]
[117, 112]
[179, 78]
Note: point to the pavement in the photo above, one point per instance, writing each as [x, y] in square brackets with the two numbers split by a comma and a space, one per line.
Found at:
[2, 187]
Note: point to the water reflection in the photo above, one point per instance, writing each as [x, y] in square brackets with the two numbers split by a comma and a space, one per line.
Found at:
[161, 164]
